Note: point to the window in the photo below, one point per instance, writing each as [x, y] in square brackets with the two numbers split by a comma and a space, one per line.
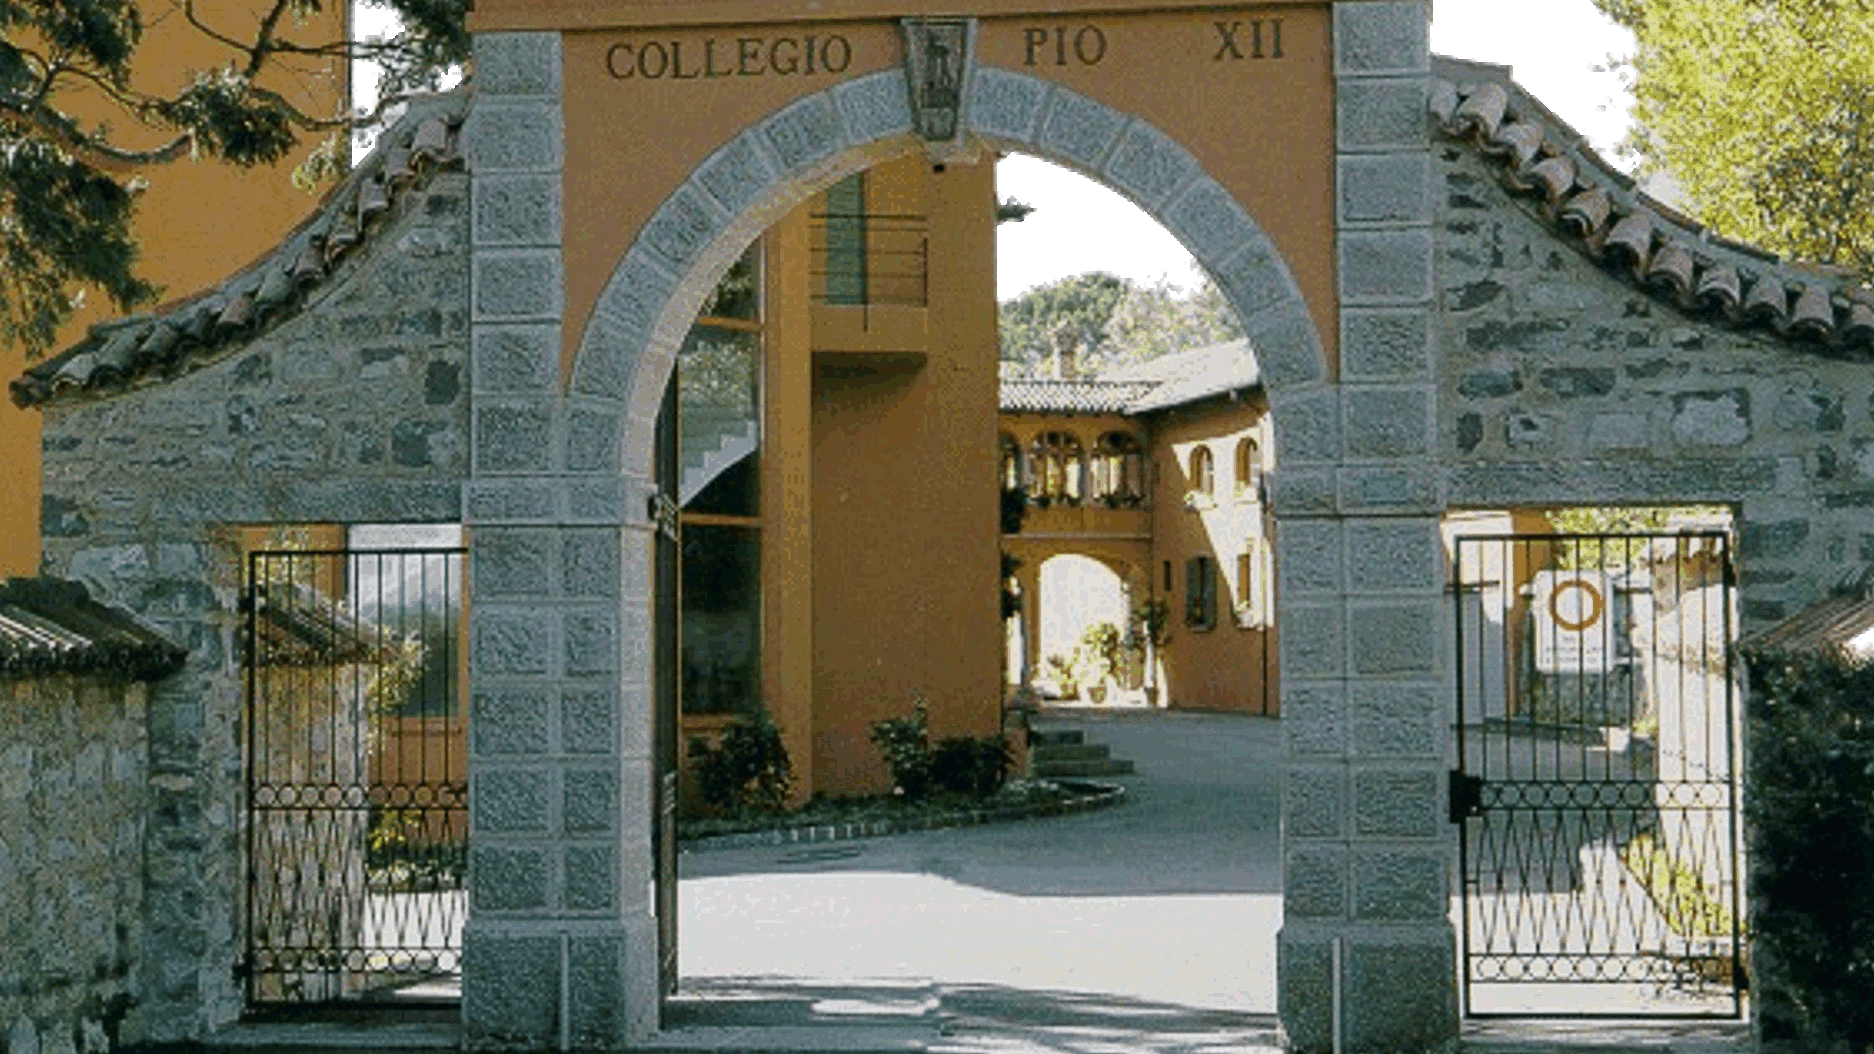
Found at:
[844, 271]
[719, 431]
[1248, 470]
[1057, 470]
[1011, 462]
[1118, 471]
[1167, 576]
[1203, 472]
[1200, 593]
[1248, 600]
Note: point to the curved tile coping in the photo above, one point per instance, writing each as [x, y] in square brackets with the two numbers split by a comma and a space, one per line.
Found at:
[1088, 796]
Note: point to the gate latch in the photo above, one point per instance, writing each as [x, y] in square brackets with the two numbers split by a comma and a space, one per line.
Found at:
[1467, 795]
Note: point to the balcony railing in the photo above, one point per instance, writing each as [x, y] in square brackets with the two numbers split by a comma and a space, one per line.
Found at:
[870, 259]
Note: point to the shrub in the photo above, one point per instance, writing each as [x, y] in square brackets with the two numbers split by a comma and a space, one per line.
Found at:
[905, 742]
[1810, 803]
[748, 769]
[965, 765]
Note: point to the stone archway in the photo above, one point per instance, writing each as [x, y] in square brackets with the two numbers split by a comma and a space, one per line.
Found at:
[560, 887]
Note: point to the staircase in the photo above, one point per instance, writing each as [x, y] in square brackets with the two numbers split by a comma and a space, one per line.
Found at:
[1065, 754]
[710, 445]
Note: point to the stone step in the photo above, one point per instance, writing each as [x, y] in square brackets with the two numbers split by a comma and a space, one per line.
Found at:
[1098, 767]
[1070, 752]
[1057, 737]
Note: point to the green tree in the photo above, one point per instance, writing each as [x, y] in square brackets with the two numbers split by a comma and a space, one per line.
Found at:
[1027, 322]
[1763, 111]
[68, 186]
[1158, 320]
[1121, 322]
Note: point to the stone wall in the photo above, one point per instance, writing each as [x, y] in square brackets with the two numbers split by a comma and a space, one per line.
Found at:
[73, 765]
[352, 410]
[1564, 383]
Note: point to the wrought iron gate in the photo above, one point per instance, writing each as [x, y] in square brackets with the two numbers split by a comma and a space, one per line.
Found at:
[1595, 782]
[357, 774]
[667, 693]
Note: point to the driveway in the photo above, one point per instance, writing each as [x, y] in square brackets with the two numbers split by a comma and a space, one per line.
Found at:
[1163, 909]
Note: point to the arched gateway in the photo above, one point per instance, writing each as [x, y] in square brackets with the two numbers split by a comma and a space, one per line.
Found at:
[625, 156]
[1454, 307]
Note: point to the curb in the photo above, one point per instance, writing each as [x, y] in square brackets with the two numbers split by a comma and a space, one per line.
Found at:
[1089, 796]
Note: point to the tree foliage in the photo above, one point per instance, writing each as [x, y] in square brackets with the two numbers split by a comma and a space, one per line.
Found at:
[1763, 111]
[68, 185]
[1120, 322]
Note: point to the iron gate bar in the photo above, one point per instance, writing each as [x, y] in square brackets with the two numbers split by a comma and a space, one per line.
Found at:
[1541, 813]
[356, 843]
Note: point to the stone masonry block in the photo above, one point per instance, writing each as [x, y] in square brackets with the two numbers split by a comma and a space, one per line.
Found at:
[1307, 426]
[634, 704]
[1403, 637]
[636, 629]
[1390, 37]
[1399, 995]
[1005, 105]
[592, 439]
[1382, 114]
[512, 561]
[1312, 644]
[511, 721]
[1306, 492]
[507, 643]
[1411, 486]
[681, 228]
[1147, 165]
[513, 136]
[591, 801]
[512, 210]
[1399, 803]
[1314, 718]
[591, 878]
[1256, 279]
[508, 879]
[510, 990]
[1313, 802]
[510, 801]
[1385, 188]
[490, 501]
[634, 561]
[517, 64]
[591, 641]
[513, 437]
[589, 719]
[805, 132]
[738, 172]
[634, 297]
[1078, 128]
[1399, 886]
[1210, 223]
[1385, 345]
[874, 106]
[589, 562]
[517, 284]
[1304, 997]
[1396, 720]
[601, 501]
[523, 359]
[596, 981]
[1386, 266]
[1309, 555]
[1286, 344]
[1314, 883]
[1394, 554]
[1386, 422]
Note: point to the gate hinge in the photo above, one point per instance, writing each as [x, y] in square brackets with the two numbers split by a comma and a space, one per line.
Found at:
[1467, 795]
[664, 515]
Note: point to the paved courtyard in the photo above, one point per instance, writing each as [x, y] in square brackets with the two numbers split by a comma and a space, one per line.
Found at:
[1156, 917]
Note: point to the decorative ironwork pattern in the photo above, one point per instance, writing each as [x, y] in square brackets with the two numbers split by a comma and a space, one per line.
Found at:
[357, 775]
[1596, 786]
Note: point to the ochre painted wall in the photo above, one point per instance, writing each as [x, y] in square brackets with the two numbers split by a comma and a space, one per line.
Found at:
[197, 223]
[905, 505]
[1263, 128]
[1225, 667]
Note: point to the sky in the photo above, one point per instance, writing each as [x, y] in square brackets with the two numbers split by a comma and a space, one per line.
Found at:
[1554, 47]
[1082, 226]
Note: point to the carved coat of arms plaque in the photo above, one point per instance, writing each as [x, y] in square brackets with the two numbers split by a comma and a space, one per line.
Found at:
[936, 55]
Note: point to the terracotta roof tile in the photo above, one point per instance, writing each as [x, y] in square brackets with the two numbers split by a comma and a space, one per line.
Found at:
[1663, 251]
[196, 331]
[51, 626]
[1170, 380]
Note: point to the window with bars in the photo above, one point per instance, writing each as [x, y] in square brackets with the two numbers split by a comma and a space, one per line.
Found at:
[1200, 593]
